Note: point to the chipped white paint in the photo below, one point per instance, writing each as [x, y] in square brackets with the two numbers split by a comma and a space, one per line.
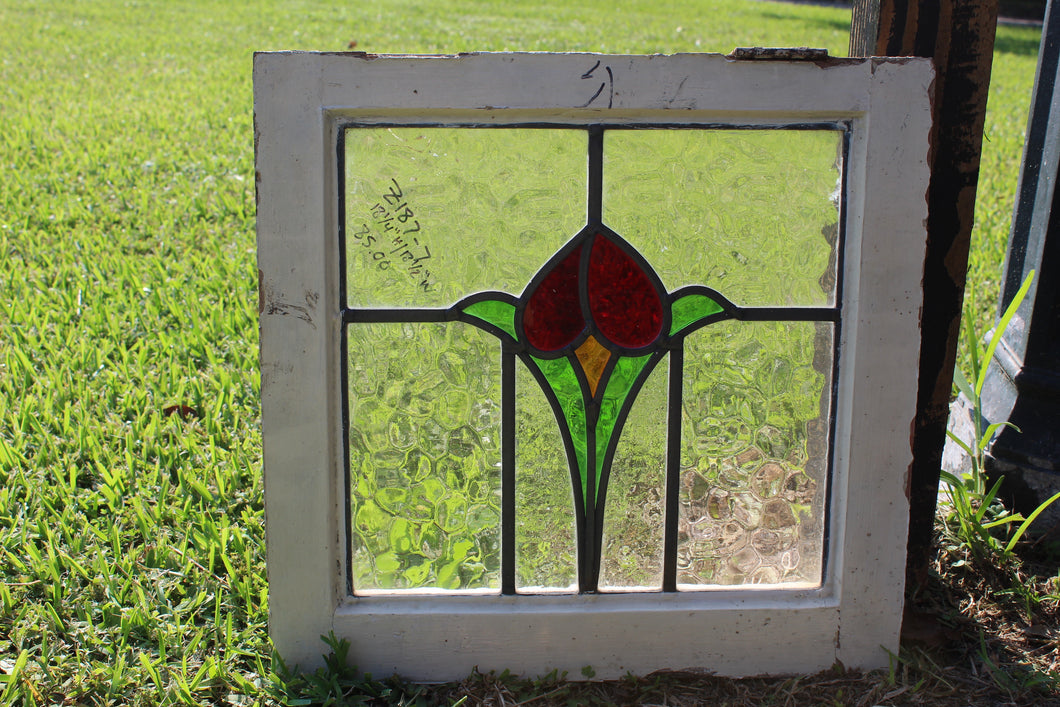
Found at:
[855, 616]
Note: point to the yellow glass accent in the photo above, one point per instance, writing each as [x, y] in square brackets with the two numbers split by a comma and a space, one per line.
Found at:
[594, 358]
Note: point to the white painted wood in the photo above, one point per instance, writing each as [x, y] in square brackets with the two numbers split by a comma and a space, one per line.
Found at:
[298, 303]
[855, 616]
[732, 633]
[883, 301]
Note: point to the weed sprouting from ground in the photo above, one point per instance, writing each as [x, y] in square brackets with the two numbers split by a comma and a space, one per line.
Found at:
[974, 515]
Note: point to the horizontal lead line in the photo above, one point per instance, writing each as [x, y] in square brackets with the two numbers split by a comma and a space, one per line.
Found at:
[787, 314]
[745, 314]
[350, 316]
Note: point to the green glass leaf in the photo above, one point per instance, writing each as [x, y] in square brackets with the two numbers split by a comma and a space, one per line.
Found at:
[690, 309]
[496, 312]
[564, 384]
[617, 389]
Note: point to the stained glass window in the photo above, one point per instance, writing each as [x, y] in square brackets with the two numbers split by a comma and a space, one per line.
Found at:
[589, 358]
[575, 359]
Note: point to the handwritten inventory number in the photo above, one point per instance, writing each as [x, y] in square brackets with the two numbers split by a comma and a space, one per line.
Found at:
[392, 243]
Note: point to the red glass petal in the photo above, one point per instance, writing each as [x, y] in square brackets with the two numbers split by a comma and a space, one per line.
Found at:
[553, 316]
[624, 303]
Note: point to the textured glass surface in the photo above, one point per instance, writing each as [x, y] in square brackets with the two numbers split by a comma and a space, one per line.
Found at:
[754, 453]
[424, 456]
[633, 518]
[434, 214]
[749, 213]
[544, 524]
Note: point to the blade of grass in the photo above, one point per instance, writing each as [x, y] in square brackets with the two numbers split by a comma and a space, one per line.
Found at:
[999, 330]
[1030, 519]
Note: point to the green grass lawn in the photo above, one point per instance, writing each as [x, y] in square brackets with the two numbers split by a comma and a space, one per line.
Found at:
[132, 566]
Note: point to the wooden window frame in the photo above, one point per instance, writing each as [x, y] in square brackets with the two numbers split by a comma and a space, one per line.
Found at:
[301, 102]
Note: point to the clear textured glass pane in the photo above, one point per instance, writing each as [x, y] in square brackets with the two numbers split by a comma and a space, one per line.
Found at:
[751, 213]
[435, 214]
[757, 403]
[424, 456]
[544, 516]
[635, 511]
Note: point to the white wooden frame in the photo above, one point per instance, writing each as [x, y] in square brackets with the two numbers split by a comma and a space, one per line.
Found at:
[854, 616]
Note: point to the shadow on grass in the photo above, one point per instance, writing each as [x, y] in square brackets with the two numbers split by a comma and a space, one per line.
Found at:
[1021, 46]
[771, 10]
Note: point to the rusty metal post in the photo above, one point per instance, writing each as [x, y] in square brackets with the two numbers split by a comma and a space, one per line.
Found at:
[959, 35]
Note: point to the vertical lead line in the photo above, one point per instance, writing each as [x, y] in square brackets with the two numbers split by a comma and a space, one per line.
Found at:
[590, 562]
[673, 469]
[596, 173]
[589, 549]
[507, 471]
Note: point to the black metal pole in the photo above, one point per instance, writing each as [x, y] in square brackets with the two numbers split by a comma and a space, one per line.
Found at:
[1023, 381]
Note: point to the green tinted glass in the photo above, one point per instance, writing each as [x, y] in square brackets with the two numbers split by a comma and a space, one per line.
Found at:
[750, 213]
[434, 214]
[424, 452]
